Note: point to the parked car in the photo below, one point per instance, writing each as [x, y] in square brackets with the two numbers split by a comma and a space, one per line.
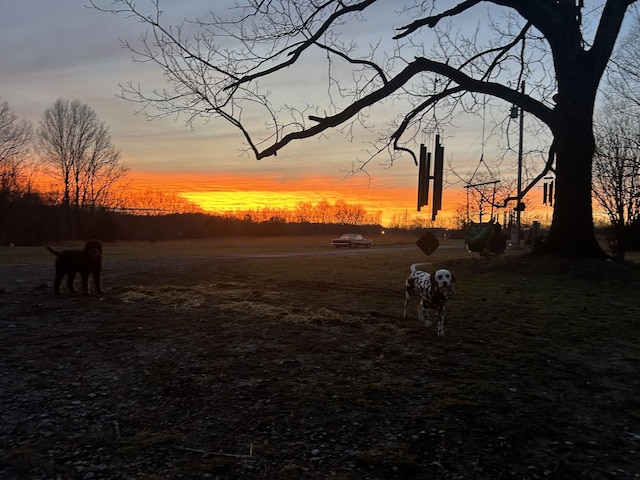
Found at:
[351, 240]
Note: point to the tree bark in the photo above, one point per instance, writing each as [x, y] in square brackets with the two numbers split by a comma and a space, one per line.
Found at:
[572, 232]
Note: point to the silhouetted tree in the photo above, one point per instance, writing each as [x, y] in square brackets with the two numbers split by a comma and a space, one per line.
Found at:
[152, 201]
[15, 150]
[75, 146]
[617, 161]
[543, 42]
[616, 166]
[624, 73]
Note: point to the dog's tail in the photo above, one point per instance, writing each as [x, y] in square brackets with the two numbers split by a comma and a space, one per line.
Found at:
[53, 250]
[415, 266]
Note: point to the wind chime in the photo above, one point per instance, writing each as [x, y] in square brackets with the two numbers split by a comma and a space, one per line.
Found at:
[547, 193]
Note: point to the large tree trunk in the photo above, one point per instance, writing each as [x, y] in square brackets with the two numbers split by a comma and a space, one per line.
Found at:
[572, 232]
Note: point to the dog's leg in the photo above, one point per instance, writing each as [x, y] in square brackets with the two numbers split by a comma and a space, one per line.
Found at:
[424, 314]
[85, 282]
[407, 297]
[57, 280]
[71, 276]
[441, 322]
[408, 290]
[97, 282]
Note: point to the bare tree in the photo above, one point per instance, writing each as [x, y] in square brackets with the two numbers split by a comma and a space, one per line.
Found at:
[485, 192]
[623, 76]
[323, 211]
[304, 212]
[616, 165]
[76, 147]
[222, 68]
[15, 151]
[158, 202]
[617, 161]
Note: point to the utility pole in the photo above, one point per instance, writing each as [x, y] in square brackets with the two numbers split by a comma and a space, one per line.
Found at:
[519, 200]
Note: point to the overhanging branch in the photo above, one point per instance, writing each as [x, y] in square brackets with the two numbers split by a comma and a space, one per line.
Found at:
[548, 167]
[295, 54]
[433, 20]
[432, 100]
[419, 65]
[324, 123]
[536, 108]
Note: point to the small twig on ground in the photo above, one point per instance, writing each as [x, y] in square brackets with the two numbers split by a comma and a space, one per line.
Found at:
[217, 454]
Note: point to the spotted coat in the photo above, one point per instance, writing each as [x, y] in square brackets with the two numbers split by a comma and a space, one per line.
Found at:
[433, 290]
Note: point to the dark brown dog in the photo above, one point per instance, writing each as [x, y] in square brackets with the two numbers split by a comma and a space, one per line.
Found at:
[86, 261]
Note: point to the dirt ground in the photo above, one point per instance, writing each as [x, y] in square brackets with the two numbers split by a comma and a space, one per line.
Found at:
[303, 368]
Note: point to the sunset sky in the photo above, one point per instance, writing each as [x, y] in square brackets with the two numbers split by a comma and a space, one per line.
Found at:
[61, 49]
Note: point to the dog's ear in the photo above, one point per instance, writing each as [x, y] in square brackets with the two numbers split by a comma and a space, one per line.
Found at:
[432, 279]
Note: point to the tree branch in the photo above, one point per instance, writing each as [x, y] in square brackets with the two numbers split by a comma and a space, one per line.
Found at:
[419, 65]
[433, 20]
[324, 123]
[610, 21]
[498, 90]
[354, 61]
[411, 115]
[295, 54]
[548, 167]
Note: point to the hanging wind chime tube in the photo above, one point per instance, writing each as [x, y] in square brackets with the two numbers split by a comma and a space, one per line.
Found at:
[438, 174]
[547, 193]
[424, 177]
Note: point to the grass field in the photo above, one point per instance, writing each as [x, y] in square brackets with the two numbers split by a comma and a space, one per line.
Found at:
[269, 360]
[203, 247]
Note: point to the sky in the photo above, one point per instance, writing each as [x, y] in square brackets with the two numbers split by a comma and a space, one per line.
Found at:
[62, 49]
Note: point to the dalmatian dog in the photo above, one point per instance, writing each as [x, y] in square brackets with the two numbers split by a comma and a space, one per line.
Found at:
[433, 290]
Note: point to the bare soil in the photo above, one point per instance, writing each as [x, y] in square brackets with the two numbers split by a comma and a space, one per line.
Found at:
[232, 366]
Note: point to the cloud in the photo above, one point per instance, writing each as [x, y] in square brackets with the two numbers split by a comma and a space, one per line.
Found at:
[61, 49]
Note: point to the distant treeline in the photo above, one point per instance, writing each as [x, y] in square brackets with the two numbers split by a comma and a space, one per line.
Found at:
[340, 212]
[199, 225]
[29, 218]
[26, 223]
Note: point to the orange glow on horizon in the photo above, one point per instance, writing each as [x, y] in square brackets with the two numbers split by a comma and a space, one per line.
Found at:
[237, 193]
[225, 193]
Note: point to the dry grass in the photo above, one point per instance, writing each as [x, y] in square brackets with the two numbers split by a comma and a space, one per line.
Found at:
[204, 247]
[241, 366]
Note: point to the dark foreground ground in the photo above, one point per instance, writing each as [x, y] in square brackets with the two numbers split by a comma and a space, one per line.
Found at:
[303, 368]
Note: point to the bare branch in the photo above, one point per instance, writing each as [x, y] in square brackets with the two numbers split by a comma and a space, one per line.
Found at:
[433, 20]
[295, 54]
[551, 158]
[431, 101]
[419, 65]
[355, 61]
[76, 146]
